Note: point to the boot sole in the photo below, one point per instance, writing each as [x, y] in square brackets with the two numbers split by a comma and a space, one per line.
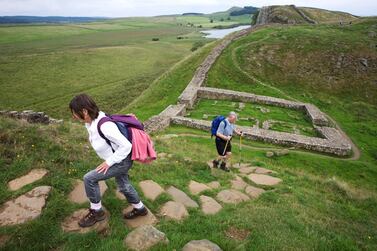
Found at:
[144, 214]
[97, 220]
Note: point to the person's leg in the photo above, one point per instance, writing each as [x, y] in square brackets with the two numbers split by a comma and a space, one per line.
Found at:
[93, 193]
[220, 146]
[227, 157]
[126, 188]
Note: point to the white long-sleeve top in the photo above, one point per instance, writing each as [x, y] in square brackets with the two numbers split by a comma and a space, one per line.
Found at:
[121, 145]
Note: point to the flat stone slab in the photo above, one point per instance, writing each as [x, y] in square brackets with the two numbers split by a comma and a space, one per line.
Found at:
[174, 210]
[232, 196]
[214, 184]
[247, 169]
[119, 195]
[70, 223]
[148, 219]
[144, 237]
[78, 195]
[254, 192]
[262, 170]
[209, 205]
[151, 189]
[197, 188]
[25, 207]
[262, 179]
[181, 197]
[32, 176]
[238, 183]
[201, 245]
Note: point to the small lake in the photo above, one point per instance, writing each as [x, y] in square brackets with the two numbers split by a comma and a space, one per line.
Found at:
[220, 33]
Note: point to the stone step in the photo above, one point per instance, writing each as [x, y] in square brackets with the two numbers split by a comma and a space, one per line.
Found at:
[238, 183]
[254, 192]
[78, 195]
[214, 184]
[148, 219]
[174, 210]
[262, 170]
[144, 238]
[247, 169]
[209, 205]
[70, 223]
[196, 187]
[151, 189]
[25, 207]
[201, 245]
[32, 176]
[181, 197]
[231, 196]
[262, 179]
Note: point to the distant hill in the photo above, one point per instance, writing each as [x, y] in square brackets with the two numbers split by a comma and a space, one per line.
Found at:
[49, 19]
[244, 10]
[290, 14]
[192, 14]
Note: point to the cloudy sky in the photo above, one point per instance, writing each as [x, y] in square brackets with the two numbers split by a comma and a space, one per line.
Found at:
[123, 8]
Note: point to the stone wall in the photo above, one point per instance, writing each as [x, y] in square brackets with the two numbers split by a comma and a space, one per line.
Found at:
[304, 16]
[189, 95]
[162, 121]
[316, 116]
[333, 142]
[30, 116]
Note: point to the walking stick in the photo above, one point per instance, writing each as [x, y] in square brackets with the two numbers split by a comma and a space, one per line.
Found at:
[226, 145]
[239, 163]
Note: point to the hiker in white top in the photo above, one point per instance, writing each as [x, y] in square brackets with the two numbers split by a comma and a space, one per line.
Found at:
[117, 161]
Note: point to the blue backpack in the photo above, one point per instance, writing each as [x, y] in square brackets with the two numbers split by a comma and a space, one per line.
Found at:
[215, 124]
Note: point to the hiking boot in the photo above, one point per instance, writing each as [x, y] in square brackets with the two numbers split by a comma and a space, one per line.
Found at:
[224, 168]
[136, 213]
[215, 164]
[92, 217]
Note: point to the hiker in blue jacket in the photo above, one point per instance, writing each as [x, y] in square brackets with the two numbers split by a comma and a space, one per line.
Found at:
[224, 135]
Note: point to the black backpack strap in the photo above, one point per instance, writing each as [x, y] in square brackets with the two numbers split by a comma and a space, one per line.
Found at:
[100, 123]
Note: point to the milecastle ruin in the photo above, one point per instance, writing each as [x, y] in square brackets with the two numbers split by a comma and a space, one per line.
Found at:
[330, 139]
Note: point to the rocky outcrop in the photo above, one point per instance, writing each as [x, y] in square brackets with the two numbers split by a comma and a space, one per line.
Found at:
[282, 14]
[31, 116]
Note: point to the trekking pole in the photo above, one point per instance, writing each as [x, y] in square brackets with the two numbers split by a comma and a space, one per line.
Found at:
[226, 145]
[239, 163]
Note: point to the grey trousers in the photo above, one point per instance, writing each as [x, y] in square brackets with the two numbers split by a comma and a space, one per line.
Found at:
[120, 172]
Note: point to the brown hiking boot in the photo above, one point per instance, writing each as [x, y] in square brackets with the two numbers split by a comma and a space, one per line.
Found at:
[136, 213]
[92, 217]
[223, 167]
[215, 163]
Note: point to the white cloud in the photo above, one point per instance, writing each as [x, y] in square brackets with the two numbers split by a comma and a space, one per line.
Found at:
[121, 8]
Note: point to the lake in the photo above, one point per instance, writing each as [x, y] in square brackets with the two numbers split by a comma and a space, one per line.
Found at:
[220, 33]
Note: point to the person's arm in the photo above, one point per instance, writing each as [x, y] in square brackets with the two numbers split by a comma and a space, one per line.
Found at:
[220, 132]
[111, 132]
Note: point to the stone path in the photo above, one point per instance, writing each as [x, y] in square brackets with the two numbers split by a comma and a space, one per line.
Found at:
[32, 176]
[181, 197]
[262, 179]
[149, 219]
[78, 194]
[209, 205]
[25, 207]
[238, 183]
[196, 187]
[254, 192]
[174, 210]
[144, 237]
[231, 196]
[70, 224]
[151, 189]
[201, 245]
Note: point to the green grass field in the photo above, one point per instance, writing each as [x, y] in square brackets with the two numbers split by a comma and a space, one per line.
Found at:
[323, 203]
[281, 119]
[114, 61]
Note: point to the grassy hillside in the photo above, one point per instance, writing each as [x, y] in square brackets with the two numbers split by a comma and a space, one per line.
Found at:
[323, 203]
[326, 16]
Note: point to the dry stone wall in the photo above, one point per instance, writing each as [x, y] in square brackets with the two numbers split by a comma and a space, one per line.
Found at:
[331, 140]
[30, 116]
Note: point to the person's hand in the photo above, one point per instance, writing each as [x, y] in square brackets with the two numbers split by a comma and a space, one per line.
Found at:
[103, 168]
[227, 138]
